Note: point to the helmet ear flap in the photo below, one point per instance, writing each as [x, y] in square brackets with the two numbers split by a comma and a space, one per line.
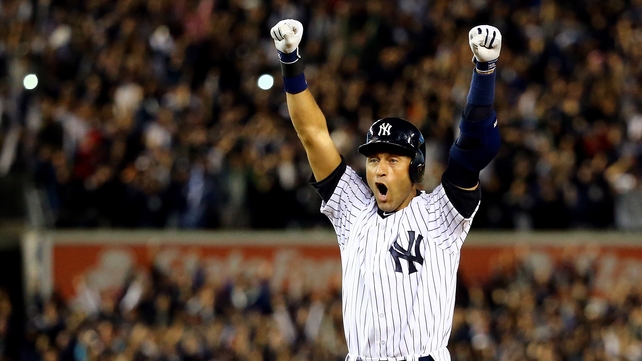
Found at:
[417, 168]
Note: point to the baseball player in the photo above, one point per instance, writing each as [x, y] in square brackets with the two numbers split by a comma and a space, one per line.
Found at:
[399, 246]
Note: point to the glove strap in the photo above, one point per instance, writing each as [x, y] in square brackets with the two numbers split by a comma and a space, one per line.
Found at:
[289, 58]
[485, 67]
[292, 70]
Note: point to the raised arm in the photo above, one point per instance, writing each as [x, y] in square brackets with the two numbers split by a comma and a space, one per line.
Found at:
[307, 118]
[479, 141]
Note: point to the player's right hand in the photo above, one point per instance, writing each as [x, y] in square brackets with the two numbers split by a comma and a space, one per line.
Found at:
[287, 35]
[485, 42]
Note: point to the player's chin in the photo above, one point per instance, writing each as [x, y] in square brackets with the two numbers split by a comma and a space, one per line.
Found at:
[384, 204]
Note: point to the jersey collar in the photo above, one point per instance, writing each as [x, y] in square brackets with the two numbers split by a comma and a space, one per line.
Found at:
[383, 214]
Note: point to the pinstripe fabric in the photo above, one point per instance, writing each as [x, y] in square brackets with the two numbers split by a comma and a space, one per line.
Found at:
[388, 313]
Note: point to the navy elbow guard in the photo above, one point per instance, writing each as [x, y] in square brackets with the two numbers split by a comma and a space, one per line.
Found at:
[486, 134]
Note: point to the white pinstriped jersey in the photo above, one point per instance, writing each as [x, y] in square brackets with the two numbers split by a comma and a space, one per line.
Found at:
[399, 272]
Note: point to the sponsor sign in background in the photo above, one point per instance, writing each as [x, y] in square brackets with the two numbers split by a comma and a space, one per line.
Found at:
[107, 267]
[104, 260]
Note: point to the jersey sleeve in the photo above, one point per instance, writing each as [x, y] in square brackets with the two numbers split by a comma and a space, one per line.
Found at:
[447, 227]
[344, 194]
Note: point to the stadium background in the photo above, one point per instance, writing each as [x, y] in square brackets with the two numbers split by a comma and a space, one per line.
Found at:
[147, 129]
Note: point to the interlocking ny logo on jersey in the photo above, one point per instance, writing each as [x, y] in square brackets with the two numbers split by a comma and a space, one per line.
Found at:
[398, 252]
[384, 129]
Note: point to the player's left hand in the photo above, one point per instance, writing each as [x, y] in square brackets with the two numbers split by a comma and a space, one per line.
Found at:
[287, 35]
[485, 42]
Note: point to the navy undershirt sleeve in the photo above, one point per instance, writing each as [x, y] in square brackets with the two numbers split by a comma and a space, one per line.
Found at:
[456, 173]
[326, 187]
[465, 202]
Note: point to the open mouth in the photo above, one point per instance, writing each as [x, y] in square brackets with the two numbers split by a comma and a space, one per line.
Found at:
[382, 188]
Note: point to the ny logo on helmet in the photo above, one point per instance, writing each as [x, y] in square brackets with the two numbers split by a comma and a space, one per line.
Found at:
[384, 129]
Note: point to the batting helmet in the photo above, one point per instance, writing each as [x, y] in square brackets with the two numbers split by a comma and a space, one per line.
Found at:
[398, 136]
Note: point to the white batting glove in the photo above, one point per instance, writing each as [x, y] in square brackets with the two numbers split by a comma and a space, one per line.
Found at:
[287, 36]
[486, 43]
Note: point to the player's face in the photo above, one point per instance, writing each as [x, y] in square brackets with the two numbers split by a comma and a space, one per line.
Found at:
[388, 178]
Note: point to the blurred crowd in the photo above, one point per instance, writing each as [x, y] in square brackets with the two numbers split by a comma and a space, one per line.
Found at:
[174, 315]
[538, 308]
[147, 113]
[533, 307]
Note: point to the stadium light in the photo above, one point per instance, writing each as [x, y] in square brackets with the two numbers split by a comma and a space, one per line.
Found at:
[30, 81]
[265, 82]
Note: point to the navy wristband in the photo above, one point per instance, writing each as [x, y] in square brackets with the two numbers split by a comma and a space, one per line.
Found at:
[289, 58]
[295, 85]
